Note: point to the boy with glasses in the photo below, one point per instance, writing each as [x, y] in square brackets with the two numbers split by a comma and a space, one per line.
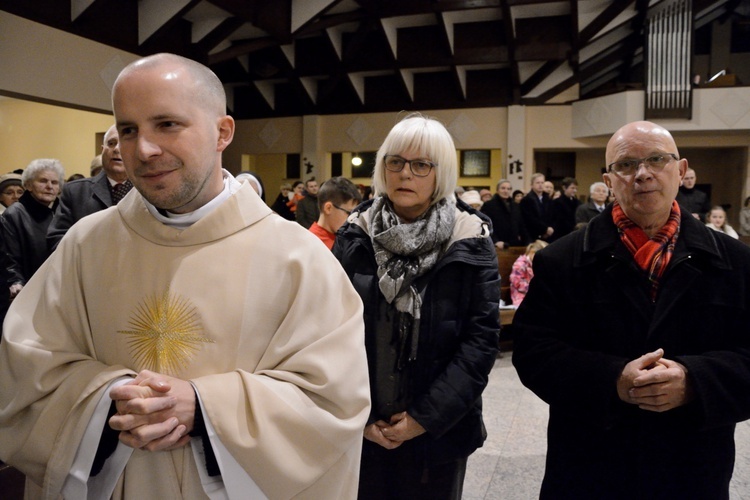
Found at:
[337, 198]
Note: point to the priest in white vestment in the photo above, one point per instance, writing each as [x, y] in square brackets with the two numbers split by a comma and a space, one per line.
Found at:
[188, 342]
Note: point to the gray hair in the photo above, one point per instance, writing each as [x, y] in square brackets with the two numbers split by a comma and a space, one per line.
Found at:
[596, 185]
[425, 136]
[501, 181]
[39, 165]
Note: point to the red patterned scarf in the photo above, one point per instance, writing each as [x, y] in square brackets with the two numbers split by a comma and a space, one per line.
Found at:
[651, 254]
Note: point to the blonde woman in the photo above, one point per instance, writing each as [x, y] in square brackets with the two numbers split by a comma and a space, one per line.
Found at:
[426, 271]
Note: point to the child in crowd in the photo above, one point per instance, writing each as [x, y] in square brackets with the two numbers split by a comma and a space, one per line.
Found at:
[717, 220]
[337, 198]
[521, 274]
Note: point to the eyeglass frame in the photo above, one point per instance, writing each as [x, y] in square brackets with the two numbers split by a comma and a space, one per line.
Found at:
[347, 212]
[5, 193]
[642, 161]
[431, 164]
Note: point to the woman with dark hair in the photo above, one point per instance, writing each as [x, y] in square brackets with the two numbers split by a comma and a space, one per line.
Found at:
[298, 192]
[426, 270]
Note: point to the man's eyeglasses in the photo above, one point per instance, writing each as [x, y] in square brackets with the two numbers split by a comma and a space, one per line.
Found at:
[420, 168]
[348, 212]
[655, 163]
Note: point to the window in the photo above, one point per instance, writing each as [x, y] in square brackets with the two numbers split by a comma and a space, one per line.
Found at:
[293, 166]
[475, 163]
[367, 166]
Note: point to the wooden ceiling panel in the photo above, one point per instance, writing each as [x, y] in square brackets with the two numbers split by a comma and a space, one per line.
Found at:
[359, 56]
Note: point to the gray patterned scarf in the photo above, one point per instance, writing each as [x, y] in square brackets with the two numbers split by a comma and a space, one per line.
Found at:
[404, 252]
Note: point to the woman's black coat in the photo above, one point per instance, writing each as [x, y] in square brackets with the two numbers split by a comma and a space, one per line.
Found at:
[458, 337]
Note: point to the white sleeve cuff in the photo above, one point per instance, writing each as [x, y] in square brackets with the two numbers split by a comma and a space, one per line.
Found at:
[77, 483]
[234, 481]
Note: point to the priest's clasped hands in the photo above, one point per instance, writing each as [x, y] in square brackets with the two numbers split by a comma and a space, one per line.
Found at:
[155, 412]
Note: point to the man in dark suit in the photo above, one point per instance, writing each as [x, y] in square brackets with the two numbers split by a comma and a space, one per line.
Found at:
[507, 228]
[535, 210]
[646, 385]
[564, 209]
[598, 194]
[86, 196]
[693, 199]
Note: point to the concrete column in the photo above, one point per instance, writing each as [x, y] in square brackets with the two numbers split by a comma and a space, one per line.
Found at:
[516, 165]
[313, 158]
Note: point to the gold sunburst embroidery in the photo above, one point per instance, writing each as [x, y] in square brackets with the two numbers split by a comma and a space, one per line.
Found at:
[165, 333]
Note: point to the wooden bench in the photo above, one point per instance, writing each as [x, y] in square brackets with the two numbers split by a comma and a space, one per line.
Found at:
[505, 259]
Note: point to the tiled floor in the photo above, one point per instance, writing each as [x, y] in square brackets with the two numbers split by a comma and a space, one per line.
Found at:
[510, 465]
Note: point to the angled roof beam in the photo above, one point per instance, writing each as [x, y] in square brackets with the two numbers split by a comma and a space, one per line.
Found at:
[267, 89]
[716, 11]
[574, 57]
[448, 19]
[77, 7]
[242, 48]
[271, 16]
[582, 75]
[562, 74]
[310, 85]
[635, 40]
[289, 51]
[336, 37]
[460, 72]
[359, 81]
[407, 77]
[303, 11]
[539, 76]
[510, 37]
[154, 14]
[392, 24]
[218, 35]
[608, 15]
[329, 21]
[391, 33]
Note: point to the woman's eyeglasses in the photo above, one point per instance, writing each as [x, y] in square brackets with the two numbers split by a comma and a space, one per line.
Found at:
[420, 168]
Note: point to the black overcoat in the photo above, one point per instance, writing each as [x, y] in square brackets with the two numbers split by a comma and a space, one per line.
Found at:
[79, 198]
[458, 339]
[588, 313]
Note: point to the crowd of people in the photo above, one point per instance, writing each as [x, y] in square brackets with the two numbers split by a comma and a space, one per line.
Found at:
[179, 337]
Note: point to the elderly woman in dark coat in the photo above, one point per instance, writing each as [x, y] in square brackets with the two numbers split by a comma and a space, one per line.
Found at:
[426, 270]
[24, 224]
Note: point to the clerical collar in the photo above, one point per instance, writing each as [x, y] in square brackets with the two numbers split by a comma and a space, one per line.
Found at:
[181, 221]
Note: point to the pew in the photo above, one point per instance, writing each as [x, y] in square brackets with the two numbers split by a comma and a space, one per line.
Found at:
[505, 259]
